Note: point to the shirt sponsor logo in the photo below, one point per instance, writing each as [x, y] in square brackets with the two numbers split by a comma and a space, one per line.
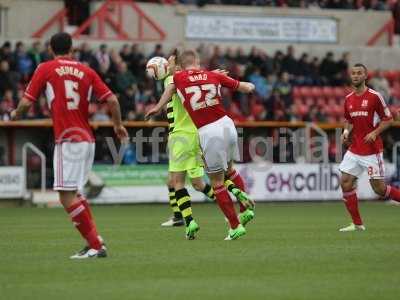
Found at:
[364, 103]
[359, 114]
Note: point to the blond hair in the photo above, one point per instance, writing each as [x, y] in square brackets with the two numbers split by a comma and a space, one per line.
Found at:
[188, 58]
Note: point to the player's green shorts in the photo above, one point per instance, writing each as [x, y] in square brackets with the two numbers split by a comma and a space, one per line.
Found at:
[185, 154]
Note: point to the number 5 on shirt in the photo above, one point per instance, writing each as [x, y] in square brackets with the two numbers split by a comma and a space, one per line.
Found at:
[72, 94]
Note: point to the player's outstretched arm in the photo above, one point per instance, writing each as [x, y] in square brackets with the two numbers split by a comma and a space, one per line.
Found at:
[115, 110]
[165, 97]
[23, 107]
[246, 87]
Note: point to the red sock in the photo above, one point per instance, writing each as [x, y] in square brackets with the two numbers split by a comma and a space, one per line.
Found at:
[225, 203]
[81, 219]
[392, 193]
[85, 203]
[351, 201]
[235, 177]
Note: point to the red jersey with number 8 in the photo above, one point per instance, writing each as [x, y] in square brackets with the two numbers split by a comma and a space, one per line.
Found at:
[68, 86]
[365, 112]
[200, 92]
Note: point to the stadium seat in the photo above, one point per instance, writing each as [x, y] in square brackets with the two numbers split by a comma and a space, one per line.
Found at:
[321, 102]
[298, 100]
[339, 92]
[328, 92]
[316, 91]
[391, 76]
[310, 101]
[296, 92]
[306, 92]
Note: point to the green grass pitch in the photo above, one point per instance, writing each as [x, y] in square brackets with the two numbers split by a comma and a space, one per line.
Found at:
[291, 251]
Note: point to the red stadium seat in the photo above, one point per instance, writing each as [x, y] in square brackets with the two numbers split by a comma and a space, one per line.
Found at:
[321, 102]
[298, 100]
[310, 101]
[339, 92]
[328, 92]
[391, 76]
[296, 92]
[371, 74]
[316, 91]
[306, 92]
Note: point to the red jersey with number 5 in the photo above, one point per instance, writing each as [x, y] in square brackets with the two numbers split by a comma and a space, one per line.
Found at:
[365, 112]
[68, 86]
[200, 92]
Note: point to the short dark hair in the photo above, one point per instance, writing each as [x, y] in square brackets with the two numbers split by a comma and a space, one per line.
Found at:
[61, 43]
[360, 65]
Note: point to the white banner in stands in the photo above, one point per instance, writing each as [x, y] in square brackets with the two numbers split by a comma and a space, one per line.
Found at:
[11, 182]
[304, 29]
[300, 182]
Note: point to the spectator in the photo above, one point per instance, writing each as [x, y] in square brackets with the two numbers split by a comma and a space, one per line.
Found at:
[8, 79]
[158, 51]
[284, 88]
[304, 71]
[101, 114]
[289, 63]
[124, 79]
[6, 53]
[23, 62]
[86, 55]
[6, 105]
[328, 69]
[46, 55]
[381, 85]
[343, 69]
[138, 62]
[126, 54]
[260, 83]
[103, 57]
[34, 54]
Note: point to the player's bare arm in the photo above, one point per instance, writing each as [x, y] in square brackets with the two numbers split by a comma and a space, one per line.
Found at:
[246, 87]
[115, 110]
[23, 107]
[346, 132]
[169, 91]
[383, 125]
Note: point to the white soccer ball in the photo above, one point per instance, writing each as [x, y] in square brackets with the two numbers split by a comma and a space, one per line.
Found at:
[157, 68]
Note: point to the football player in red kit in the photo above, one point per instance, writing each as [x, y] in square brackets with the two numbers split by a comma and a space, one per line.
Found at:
[200, 92]
[68, 86]
[367, 116]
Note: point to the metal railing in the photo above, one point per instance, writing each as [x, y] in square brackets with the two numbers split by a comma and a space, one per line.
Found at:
[34, 149]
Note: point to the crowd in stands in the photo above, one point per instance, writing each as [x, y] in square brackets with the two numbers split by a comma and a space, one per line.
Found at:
[289, 87]
[329, 4]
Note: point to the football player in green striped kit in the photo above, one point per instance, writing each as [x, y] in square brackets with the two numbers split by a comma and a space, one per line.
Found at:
[185, 157]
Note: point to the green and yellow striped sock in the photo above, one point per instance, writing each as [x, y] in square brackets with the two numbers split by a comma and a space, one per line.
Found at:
[209, 192]
[174, 204]
[183, 200]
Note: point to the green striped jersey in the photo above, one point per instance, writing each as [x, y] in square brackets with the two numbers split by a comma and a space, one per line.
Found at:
[178, 118]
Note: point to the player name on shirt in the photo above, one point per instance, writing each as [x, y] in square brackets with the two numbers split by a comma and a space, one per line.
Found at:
[198, 77]
[68, 70]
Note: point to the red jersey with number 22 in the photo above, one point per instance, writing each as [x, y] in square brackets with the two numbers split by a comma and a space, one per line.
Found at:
[365, 112]
[68, 86]
[200, 92]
